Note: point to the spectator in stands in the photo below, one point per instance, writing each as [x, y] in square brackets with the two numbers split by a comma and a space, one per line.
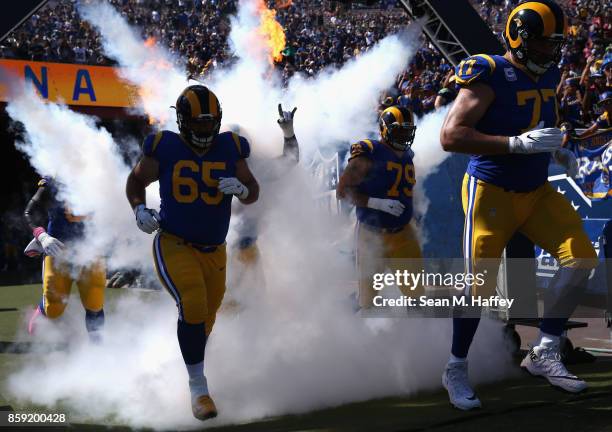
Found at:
[604, 121]
[429, 98]
[80, 55]
[606, 67]
[571, 103]
[319, 34]
[412, 99]
[448, 92]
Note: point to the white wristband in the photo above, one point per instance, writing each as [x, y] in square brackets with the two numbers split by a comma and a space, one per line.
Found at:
[137, 208]
[244, 194]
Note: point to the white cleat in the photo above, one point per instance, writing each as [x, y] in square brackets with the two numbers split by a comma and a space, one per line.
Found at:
[546, 362]
[455, 381]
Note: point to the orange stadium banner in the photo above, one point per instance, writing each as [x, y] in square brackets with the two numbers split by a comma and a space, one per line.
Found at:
[71, 84]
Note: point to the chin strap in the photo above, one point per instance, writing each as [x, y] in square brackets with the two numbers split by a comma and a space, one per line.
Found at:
[402, 149]
[199, 146]
[536, 68]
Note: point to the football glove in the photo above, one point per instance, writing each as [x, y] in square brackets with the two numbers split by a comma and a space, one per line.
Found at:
[233, 186]
[393, 207]
[567, 159]
[285, 121]
[33, 249]
[51, 246]
[146, 219]
[536, 141]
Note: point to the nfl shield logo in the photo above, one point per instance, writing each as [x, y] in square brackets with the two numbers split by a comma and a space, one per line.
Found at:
[510, 74]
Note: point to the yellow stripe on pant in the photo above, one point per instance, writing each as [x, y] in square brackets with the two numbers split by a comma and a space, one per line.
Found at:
[493, 216]
[374, 247]
[57, 283]
[195, 279]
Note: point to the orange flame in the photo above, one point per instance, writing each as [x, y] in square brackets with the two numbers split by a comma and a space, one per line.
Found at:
[283, 4]
[148, 88]
[272, 32]
[150, 42]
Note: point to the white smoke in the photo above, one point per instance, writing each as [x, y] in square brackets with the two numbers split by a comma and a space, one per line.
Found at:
[428, 155]
[90, 174]
[149, 67]
[296, 344]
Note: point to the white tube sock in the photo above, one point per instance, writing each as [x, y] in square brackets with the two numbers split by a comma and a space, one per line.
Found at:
[198, 384]
[452, 359]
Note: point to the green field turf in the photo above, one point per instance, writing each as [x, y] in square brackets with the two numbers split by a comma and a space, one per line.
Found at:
[522, 404]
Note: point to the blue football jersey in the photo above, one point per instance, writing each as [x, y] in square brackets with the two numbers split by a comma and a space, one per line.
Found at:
[191, 205]
[390, 177]
[521, 104]
[62, 224]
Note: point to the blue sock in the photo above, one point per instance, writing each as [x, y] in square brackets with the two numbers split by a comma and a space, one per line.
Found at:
[192, 340]
[464, 330]
[553, 326]
[94, 321]
[41, 306]
[565, 289]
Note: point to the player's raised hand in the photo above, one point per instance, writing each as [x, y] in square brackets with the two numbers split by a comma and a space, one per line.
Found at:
[567, 159]
[233, 186]
[121, 278]
[536, 141]
[146, 219]
[52, 246]
[393, 207]
[285, 121]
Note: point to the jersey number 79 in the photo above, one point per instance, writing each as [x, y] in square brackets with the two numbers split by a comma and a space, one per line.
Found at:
[406, 171]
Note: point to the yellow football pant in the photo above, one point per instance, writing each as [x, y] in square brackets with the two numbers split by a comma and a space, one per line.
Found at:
[493, 216]
[374, 247]
[249, 255]
[57, 282]
[245, 278]
[246, 268]
[195, 279]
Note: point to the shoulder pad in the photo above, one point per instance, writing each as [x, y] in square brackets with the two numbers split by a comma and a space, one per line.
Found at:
[242, 145]
[362, 148]
[479, 67]
[151, 142]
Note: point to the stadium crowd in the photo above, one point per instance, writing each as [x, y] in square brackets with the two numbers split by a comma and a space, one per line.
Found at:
[320, 33]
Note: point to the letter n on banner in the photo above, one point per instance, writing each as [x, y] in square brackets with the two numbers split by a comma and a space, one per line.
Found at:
[42, 84]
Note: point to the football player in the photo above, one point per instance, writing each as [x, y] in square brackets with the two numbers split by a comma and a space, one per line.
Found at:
[199, 170]
[246, 255]
[378, 180]
[63, 229]
[505, 116]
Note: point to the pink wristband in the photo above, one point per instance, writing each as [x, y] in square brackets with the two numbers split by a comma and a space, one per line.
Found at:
[38, 231]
